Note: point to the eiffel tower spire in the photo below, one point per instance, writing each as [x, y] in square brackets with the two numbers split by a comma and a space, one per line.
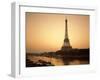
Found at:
[66, 45]
[66, 32]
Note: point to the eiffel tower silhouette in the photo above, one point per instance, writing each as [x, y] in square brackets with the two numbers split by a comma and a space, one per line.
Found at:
[66, 45]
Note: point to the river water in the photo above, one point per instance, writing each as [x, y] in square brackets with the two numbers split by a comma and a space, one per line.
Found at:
[56, 61]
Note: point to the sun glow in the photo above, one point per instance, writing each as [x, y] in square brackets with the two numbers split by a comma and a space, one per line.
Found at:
[45, 32]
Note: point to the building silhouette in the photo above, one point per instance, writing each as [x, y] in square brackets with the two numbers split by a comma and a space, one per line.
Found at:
[66, 45]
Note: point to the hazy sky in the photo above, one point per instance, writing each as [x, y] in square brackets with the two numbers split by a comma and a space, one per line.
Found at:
[45, 32]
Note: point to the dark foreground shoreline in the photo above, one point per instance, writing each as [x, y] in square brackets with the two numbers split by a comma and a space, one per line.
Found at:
[74, 56]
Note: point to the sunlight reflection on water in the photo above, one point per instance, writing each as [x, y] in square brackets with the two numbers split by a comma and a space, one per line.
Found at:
[55, 61]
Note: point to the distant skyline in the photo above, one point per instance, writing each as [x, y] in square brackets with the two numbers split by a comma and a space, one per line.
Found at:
[45, 32]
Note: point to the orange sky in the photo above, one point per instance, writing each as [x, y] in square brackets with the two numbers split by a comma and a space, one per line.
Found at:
[45, 32]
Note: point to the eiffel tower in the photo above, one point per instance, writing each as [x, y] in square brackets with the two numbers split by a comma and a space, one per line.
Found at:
[66, 45]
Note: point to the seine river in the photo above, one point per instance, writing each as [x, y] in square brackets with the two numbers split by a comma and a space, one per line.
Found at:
[55, 61]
